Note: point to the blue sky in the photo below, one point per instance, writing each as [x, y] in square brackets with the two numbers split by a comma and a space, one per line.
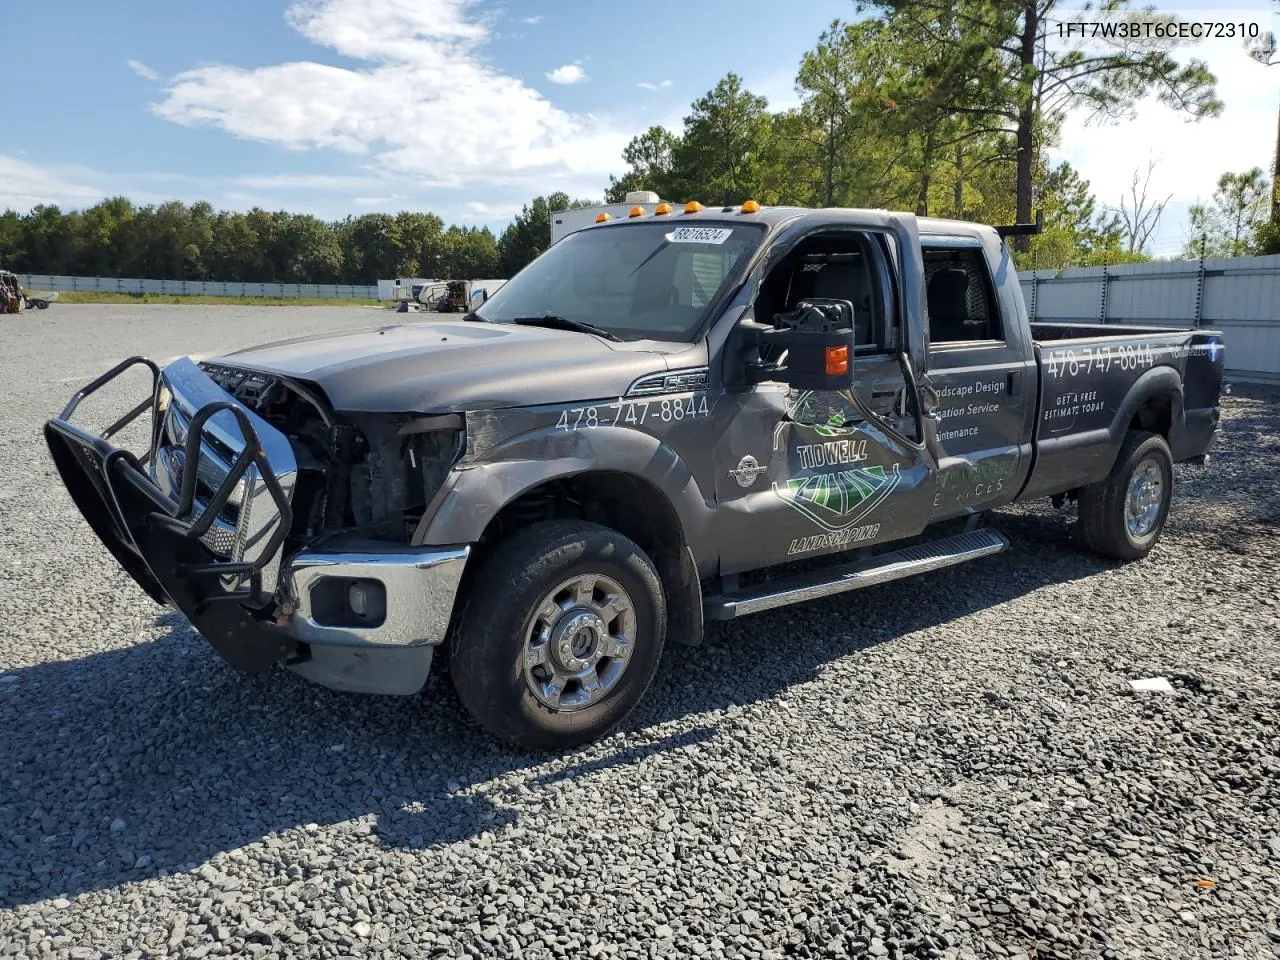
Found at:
[503, 133]
[464, 108]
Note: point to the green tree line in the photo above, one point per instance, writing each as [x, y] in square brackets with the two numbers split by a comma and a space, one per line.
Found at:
[944, 107]
[172, 240]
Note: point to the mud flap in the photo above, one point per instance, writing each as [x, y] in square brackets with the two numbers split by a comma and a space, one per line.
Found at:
[121, 504]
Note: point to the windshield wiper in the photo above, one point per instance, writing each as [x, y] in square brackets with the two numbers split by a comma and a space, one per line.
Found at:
[564, 323]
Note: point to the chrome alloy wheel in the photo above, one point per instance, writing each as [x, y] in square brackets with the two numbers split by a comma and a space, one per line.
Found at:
[1142, 503]
[578, 642]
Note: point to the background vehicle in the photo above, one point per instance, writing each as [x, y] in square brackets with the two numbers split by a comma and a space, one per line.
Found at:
[565, 222]
[12, 298]
[644, 428]
[456, 296]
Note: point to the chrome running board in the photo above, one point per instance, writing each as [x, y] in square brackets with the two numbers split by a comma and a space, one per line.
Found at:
[895, 565]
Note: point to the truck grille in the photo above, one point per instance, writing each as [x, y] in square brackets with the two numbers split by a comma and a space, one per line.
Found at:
[245, 524]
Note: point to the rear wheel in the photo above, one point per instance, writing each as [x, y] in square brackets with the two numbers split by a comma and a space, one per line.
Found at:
[1123, 515]
[560, 636]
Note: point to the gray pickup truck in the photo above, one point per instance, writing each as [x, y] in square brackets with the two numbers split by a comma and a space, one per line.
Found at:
[665, 418]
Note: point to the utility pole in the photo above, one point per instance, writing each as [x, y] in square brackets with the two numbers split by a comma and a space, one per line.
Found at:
[1102, 306]
[1200, 284]
[1275, 176]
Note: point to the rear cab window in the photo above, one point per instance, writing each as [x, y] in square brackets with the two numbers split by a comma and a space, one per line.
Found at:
[960, 297]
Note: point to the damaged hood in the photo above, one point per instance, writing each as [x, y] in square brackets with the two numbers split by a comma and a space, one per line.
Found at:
[442, 366]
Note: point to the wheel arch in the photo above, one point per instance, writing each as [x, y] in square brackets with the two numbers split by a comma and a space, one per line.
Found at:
[643, 489]
[1153, 403]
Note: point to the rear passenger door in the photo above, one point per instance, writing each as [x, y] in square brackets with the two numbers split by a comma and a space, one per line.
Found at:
[982, 369]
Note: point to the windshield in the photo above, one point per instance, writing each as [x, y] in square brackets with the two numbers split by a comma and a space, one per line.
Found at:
[637, 281]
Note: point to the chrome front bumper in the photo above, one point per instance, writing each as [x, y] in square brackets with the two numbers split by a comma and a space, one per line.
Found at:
[420, 585]
[199, 521]
[395, 655]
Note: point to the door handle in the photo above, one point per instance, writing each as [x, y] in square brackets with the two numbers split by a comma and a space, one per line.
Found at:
[1013, 382]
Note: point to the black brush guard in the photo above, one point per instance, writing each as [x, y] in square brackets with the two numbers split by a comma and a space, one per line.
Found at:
[157, 541]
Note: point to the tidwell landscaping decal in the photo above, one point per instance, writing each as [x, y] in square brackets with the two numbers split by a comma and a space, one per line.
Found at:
[838, 499]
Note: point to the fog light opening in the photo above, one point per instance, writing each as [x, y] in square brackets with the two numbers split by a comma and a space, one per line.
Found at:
[348, 602]
[367, 600]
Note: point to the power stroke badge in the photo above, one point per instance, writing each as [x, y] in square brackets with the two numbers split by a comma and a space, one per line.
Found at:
[747, 470]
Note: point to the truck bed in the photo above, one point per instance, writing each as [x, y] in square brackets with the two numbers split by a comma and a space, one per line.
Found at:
[1097, 381]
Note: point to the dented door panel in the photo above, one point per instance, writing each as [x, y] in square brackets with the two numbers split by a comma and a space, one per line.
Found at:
[798, 476]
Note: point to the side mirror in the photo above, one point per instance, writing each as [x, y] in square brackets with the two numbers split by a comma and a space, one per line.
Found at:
[813, 344]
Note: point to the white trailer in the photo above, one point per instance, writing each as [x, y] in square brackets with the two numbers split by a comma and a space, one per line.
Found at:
[450, 296]
[565, 222]
[403, 288]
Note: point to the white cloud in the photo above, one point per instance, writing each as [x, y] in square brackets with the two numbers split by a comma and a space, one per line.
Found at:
[778, 87]
[23, 186]
[142, 70]
[238, 200]
[478, 210]
[645, 85]
[307, 181]
[395, 199]
[532, 21]
[569, 73]
[428, 106]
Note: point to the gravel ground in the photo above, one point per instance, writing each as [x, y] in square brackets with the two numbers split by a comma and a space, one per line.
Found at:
[945, 767]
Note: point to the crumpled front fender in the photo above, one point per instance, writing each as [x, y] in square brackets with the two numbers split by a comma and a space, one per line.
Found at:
[491, 476]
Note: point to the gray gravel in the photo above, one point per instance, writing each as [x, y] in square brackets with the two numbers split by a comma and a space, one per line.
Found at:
[945, 767]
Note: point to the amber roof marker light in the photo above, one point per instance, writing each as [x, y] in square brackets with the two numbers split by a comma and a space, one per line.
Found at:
[661, 208]
[637, 212]
[693, 206]
[601, 218]
[751, 207]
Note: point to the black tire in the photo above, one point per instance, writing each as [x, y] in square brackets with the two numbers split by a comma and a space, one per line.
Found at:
[1103, 526]
[486, 656]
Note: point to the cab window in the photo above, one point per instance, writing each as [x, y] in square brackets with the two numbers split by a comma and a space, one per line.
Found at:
[831, 266]
[959, 296]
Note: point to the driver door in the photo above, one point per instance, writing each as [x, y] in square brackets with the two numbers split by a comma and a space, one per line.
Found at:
[807, 473]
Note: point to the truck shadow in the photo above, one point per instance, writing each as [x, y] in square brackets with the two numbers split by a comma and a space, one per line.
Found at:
[186, 759]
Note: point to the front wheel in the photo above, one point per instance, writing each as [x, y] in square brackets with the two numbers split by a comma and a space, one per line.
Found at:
[560, 635]
[1123, 515]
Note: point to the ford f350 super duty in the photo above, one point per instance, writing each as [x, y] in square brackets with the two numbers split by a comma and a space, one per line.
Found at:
[666, 418]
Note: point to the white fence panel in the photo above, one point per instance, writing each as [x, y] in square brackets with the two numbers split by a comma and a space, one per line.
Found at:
[1239, 296]
[1243, 292]
[1067, 299]
[214, 288]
